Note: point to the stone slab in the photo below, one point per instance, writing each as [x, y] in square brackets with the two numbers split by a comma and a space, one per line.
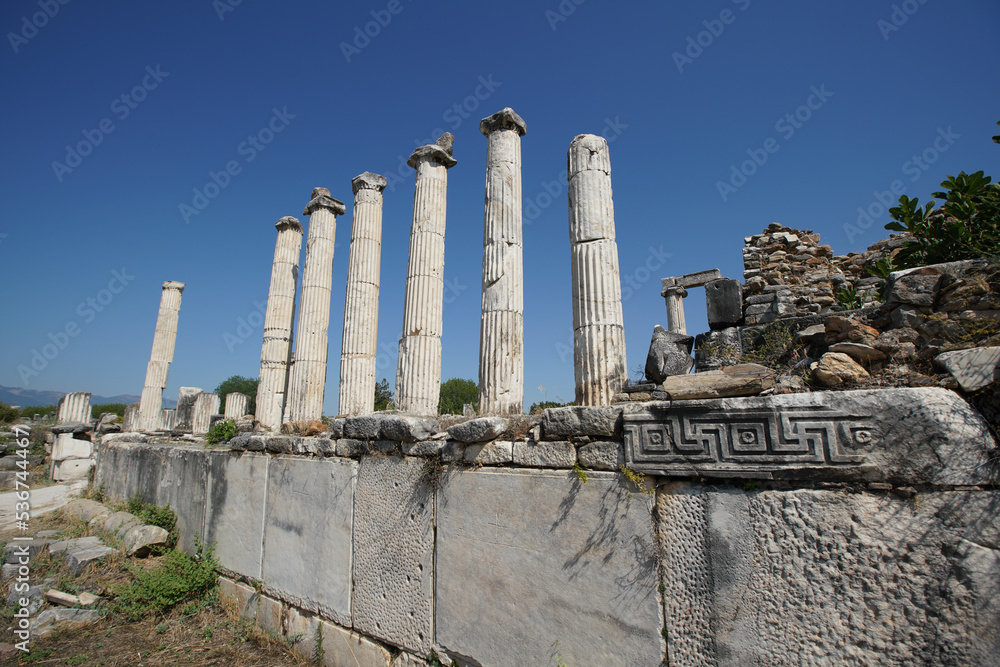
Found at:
[545, 454]
[393, 552]
[973, 368]
[570, 573]
[739, 380]
[581, 420]
[343, 647]
[68, 447]
[235, 510]
[307, 534]
[821, 577]
[902, 436]
[183, 485]
[490, 453]
[71, 469]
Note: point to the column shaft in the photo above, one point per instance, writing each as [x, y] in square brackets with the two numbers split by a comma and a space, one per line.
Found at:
[164, 340]
[598, 324]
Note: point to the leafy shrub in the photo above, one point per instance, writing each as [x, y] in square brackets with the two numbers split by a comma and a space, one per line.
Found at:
[848, 298]
[176, 578]
[97, 410]
[455, 393]
[239, 385]
[221, 431]
[43, 410]
[164, 517]
[7, 413]
[536, 408]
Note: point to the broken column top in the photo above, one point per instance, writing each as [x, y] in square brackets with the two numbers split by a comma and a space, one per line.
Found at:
[440, 152]
[697, 279]
[321, 199]
[588, 152]
[173, 284]
[288, 222]
[368, 181]
[505, 119]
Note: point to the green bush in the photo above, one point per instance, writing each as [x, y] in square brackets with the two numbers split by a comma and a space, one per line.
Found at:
[222, 430]
[383, 396]
[43, 410]
[536, 408]
[237, 384]
[455, 393]
[177, 578]
[164, 517]
[118, 408]
[7, 413]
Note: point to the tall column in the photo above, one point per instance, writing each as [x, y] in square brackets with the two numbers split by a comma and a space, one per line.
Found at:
[674, 296]
[598, 329]
[308, 375]
[276, 351]
[418, 373]
[358, 350]
[501, 328]
[164, 339]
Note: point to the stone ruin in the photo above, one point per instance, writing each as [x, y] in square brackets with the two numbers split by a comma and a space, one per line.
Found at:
[731, 515]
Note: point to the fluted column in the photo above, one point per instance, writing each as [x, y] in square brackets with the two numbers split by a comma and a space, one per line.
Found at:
[418, 374]
[308, 374]
[74, 407]
[358, 349]
[164, 339]
[205, 406]
[236, 405]
[674, 297]
[276, 351]
[501, 328]
[598, 329]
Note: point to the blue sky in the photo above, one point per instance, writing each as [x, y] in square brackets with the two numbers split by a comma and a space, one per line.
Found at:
[685, 91]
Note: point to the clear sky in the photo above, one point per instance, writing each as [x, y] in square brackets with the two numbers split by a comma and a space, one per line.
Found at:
[116, 113]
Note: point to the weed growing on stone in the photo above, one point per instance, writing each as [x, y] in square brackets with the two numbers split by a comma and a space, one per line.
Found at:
[221, 431]
[580, 472]
[750, 486]
[430, 473]
[637, 479]
[176, 578]
[773, 346]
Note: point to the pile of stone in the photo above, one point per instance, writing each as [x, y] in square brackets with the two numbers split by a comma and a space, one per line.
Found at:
[72, 452]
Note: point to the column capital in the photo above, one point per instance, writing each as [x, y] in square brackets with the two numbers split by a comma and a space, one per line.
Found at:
[288, 222]
[505, 119]
[321, 199]
[674, 290]
[368, 181]
[439, 151]
[173, 284]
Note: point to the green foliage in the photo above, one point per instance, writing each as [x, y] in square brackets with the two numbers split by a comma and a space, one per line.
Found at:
[239, 385]
[536, 408]
[7, 413]
[772, 346]
[848, 298]
[882, 268]
[164, 517]
[455, 393]
[221, 431]
[32, 410]
[383, 396]
[637, 479]
[966, 226]
[118, 408]
[177, 578]
[581, 474]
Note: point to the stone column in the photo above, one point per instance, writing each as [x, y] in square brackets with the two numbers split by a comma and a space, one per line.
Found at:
[74, 407]
[236, 405]
[184, 414]
[358, 349]
[674, 296]
[308, 375]
[501, 328]
[163, 353]
[276, 351]
[130, 422]
[598, 329]
[418, 373]
[205, 406]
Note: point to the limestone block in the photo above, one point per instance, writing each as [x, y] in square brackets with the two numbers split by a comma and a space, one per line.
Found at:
[52, 620]
[973, 368]
[67, 447]
[296, 489]
[183, 485]
[184, 413]
[205, 406]
[141, 540]
[573, 572]
[602, 455]
[859, 352]
[914, 289]
[71, 469]
[76, 428]
[478, 430]
[545, 454]
[669, 354]
[739, 380]
[120, 523]
[402, 428]
[715, 349]
[243, 598]
[343, 647]
[914, 436]
[724, 301]
[393, 552]
[235, 510]
[582, 420]
[837, 368]
[78, 560]
[84, 510]
[236, 405]
[490, 453]
[853, 578]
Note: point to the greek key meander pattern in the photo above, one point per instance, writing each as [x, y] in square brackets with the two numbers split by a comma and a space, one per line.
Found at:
[753, 437]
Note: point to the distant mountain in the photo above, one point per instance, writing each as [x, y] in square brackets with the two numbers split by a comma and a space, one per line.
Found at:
[25, 397]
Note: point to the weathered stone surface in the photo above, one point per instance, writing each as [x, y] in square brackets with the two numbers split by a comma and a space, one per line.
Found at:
[740, 380]
[859, 352]
[120, 523]
[490, 453]
[78, 560]
[973, 368]
[478, 430]
[573, 572]
[837, 368]
[205, 406]
[74, 407]
[402, 428]
[669, 354]
[393, 552]
[724, 302]
[545, 454]
[72, 469]
[51, 620]
[141, 540]
[902, 436]
[365, 427]
[914, 289]
[72, 427]
[63, 546]
[309, 514]
[716, 349]
[854, 578]
[306, 427]
[582, 420]
[84, 510]
[164, 339]
[184, 413]
[182, 485]
[34, 595]
[352, 448]
[602, 455]
[235, 511]
[343, 647]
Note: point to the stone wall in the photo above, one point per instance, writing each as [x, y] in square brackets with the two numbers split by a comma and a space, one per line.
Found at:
[854, 527]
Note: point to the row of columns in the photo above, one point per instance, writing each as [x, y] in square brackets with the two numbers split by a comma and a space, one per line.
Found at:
[291, 384]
